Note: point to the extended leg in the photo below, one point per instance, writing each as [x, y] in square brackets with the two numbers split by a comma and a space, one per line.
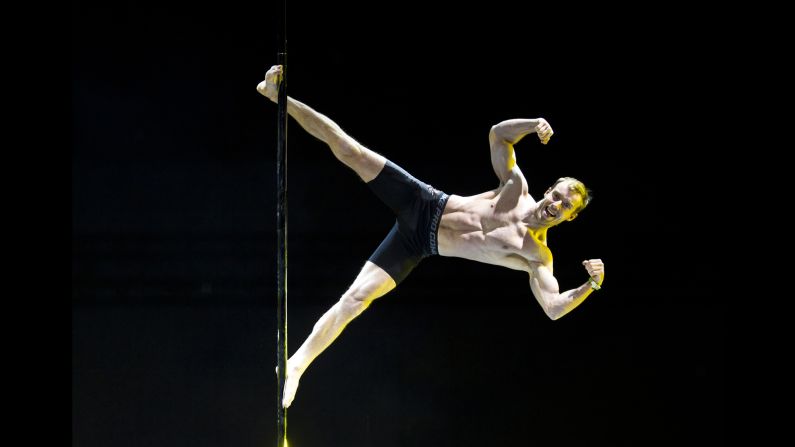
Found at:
[366, 163]
[372, 283]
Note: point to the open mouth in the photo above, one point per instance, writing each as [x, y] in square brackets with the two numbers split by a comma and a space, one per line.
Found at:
[551, 212]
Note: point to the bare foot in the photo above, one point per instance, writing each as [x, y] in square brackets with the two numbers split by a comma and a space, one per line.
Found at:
[290, 385]
[270, 86]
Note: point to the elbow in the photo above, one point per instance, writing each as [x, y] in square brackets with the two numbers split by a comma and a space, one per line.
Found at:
[497, 134]
[554, 313]
[494, 133]
[554, 309]
[493, 138]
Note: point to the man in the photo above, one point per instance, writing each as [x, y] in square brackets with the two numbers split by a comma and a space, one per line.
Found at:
[504, 226]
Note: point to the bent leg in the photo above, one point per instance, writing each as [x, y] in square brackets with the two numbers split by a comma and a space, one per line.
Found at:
[371, 283]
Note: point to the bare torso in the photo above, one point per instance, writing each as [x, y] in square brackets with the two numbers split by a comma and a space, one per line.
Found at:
[488, 228]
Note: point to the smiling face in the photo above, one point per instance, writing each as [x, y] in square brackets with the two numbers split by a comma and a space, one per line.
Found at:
[561, 202]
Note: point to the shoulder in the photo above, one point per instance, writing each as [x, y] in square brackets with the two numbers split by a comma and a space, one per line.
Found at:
[517, 179]
[537, 254]
[514, 186]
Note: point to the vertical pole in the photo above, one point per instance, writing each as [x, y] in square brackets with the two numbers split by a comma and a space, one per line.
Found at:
[281, 234]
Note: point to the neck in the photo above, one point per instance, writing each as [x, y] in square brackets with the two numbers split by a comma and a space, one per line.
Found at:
[534, 222]
[539, 234]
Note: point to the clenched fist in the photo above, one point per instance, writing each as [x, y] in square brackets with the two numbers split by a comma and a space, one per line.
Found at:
[544, 131]
[596, 269]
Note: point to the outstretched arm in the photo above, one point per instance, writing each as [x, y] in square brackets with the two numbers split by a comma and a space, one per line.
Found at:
[504, 135]
[557, 304]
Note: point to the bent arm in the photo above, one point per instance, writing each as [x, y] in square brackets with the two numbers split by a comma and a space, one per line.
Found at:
[546, 291]
[502, 137]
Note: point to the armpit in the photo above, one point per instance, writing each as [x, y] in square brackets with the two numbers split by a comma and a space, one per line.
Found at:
[516, 262]
[533, 266]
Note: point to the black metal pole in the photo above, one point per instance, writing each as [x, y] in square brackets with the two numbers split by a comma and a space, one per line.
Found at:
[281, 235]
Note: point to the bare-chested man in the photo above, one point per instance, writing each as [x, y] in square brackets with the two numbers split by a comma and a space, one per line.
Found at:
[504, 226]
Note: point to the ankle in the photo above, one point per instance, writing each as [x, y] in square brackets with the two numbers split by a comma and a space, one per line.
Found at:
[294, 369]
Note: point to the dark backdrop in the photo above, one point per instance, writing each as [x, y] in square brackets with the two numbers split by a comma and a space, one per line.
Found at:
[173, 214]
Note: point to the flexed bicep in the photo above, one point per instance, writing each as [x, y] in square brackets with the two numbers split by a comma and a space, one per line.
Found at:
[555, 303]
[503, 157]
[502, 138]
[545, 288]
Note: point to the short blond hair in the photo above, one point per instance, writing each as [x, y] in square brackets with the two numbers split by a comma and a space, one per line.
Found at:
[580, 188]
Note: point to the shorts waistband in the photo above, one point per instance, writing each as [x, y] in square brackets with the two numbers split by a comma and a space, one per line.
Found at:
[441, 202]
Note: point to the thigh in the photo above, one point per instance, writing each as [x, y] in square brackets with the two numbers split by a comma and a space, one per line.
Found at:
[365, 162]
[369, 165]
[372, 282]
[395, 255]
[398, 189]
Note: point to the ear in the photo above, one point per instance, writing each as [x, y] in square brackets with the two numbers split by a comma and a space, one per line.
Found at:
[572, 217]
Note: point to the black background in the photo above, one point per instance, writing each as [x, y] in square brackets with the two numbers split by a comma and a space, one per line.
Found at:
[173, 226]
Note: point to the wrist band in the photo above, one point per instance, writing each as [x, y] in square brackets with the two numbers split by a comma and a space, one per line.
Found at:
[594, 285]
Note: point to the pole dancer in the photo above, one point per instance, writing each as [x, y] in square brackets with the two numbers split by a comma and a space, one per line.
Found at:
[504, 226]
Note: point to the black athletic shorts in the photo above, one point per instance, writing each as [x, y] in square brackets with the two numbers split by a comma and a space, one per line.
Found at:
[418, 207]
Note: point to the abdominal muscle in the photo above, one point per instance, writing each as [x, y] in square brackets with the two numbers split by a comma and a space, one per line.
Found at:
[471, 229]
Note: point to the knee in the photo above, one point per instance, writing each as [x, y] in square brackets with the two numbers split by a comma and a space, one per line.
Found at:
[347, 149]
[355, 301]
